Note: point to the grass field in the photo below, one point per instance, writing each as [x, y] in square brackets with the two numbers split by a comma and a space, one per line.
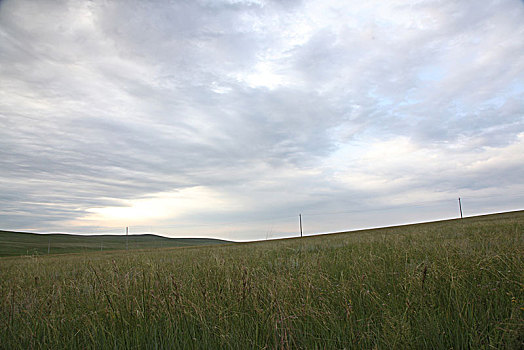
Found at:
[454, 284]
[22, 243]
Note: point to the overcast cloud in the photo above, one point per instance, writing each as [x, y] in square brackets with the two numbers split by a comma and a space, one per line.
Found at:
[229, 118]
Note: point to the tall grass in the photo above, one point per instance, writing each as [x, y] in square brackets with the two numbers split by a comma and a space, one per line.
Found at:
[455, 284]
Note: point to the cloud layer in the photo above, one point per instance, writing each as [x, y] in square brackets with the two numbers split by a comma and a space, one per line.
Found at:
[203, 113]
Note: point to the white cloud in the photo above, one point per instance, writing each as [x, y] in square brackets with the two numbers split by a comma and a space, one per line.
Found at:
[401, 166]
[159, 206]
[111, 110]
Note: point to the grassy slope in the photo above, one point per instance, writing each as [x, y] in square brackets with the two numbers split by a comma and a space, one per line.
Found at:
[22, 243]
[453, 284]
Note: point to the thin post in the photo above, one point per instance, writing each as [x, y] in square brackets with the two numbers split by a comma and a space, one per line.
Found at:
[48, 246]
[460, 207]
[127, 238]
[300, 219]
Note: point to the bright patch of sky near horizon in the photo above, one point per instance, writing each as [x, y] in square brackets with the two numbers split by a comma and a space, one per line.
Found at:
[229, 118]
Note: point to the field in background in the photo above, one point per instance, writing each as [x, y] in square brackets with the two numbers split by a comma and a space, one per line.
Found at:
[22, 243]
[452, 284]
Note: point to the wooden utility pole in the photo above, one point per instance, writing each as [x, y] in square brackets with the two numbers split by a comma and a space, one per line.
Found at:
[127, 238]
[460, 208]
[300, 219]
[48, 246]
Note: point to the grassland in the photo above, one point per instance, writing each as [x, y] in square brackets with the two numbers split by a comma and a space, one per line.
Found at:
[455, 284]
[23, 243]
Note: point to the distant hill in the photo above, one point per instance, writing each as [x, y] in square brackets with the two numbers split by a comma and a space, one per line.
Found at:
[24, 243]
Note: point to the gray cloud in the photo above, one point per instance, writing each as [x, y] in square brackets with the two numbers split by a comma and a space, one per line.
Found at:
[275, 107]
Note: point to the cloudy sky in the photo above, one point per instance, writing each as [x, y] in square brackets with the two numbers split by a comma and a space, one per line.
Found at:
[224, 118]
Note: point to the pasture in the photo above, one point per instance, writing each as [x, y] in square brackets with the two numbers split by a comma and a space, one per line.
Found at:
[449, 284]
[23, 243]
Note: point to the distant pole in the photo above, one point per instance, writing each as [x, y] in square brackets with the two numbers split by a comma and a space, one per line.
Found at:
[127, 237]
[460, 208]
[101, 242]
[300, 219]
[48, 246]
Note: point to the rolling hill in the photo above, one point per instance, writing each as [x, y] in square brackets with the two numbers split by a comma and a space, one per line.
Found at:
[24, 243]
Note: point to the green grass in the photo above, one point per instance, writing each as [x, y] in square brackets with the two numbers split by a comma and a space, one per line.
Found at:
[453, 284]
[22, 243]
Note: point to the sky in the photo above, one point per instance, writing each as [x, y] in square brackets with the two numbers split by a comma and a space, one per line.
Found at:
[228, 119]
